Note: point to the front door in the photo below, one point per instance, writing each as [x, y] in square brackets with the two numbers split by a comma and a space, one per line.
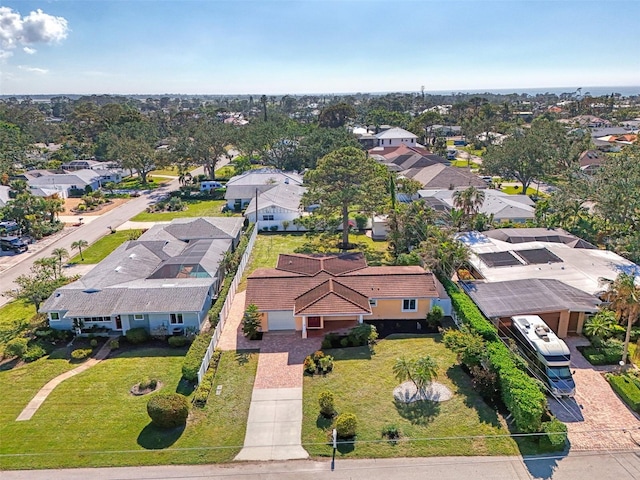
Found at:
[118, 322]
[313, 322]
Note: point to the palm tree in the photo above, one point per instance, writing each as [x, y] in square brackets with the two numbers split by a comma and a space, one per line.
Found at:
[469, 201]
[80, 244]
[624, 299]
[420, 372]
[59, 254]
[600, 325]
[403, 369]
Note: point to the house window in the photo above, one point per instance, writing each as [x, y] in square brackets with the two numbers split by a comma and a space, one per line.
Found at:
[55, 316]
[176, 319]
[409, 305]
[267, 217]
[313, 322]
[138, 316]
[373, 302]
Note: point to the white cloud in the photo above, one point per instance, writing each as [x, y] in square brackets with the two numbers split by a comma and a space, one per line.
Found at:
[37, 27]
[40, 71]
[29, 50]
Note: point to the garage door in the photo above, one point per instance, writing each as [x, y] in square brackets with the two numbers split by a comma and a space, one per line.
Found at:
[282, 320]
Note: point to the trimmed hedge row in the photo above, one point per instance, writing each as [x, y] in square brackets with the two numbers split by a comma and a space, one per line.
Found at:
[627, 388]
[203, 391]
[520, 393]
[193, 358]
[599, 356]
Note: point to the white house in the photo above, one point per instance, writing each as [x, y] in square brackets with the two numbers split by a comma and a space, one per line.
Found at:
[241, 189]
[394, 137]
[281, 203]
[63, 183]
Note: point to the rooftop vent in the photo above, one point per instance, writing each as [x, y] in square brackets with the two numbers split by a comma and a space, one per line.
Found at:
[543, 332]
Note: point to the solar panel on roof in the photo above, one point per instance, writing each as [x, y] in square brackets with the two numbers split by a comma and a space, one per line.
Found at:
[538, 255]
[499, 259]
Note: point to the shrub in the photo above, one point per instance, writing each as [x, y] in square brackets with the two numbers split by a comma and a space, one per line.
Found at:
[80, 353]
[178, 341]
[326, 402]
[251, 321]
[346, 425]
[325, 364]
[16, 347]
[469, 346]
[435, 316]
[148, 384]
[168, 410]
[392, 432]
[93, 343]
[361, 221]
[309, 365]
[326, 343]
[137, 335]
[344, 343]
[193, 358]
[201, 395]
[363, 334]
[114, 344]
[485, 382]
[628, 390]
[318, 355]
[33, 353]
[556, 433]
[273, 228]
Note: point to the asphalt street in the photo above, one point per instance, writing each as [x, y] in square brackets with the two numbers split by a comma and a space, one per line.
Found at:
[576, 466]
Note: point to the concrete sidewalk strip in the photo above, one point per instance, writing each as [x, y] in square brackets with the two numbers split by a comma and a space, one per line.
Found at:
[39, 398]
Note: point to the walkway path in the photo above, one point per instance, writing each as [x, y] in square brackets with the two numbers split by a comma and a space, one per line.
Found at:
[274, 426]
[44, 392]
[596, 411]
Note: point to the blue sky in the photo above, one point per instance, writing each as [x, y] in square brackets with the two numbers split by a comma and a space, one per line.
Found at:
[301, 46]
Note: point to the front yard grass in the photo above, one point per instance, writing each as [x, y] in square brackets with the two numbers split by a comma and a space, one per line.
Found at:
[517, 190]
[363, 384]
[15, 318]
[103, 247]
[195, 208]
[92, 420]
[134, 183]
[465, 164]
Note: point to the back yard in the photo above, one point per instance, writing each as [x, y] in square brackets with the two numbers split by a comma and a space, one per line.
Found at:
[195, 208]
[92, 419]
[363, 384]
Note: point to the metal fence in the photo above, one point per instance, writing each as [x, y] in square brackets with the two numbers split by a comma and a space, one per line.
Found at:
[226, 306]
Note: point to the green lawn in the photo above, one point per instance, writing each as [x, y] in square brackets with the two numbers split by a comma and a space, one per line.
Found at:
[464, 164]
[517, 190]
[195, 208]
[103, 247]
[170, 171]
[468, 149]
[15, 317]
[92, 420]
[134, 183]
[268, 246]
[363, 384]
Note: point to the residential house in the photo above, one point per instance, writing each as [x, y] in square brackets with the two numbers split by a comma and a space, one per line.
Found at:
[445, 130]
[498, 205]
[394, 137]
[240, 189]
[403, 157]
[591, 161]
[439, 176]
[281, 203]
[63, 183]
[523, 255]
[4, 195]
[325, 292]
[165, 281]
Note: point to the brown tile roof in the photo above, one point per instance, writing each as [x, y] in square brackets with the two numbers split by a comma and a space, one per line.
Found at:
[331, 297]
[275, 289]
[313, 264]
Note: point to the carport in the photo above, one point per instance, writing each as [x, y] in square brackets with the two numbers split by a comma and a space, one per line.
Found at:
[562, 307]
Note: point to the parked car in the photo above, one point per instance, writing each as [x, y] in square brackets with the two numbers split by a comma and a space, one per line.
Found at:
[9, 226]
[14, 244]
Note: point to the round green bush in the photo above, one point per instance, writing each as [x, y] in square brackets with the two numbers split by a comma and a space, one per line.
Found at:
[168, 410]
[16, 347]
[93, 343]
[114, 344]
[137, 335]
[327, 406]
[346, 425]
[80, 353]
[148, 384]
[33, 353]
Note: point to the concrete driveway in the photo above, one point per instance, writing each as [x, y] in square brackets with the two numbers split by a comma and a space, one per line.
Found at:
[274, 426]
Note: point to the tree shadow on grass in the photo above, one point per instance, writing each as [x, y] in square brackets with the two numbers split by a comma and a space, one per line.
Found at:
[185, 387]
[323, 422]
[346, 446]
[243, 356]
[154, 438]
[350, 353]
[472, 399]
[418, 413]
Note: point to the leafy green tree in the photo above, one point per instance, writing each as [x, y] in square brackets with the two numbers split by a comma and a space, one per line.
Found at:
[40, 284]
[441, 252]
[320, 141]
[79, 245]
[336, 115]
[13, 147]
[624, 298]
[344, 181]
[601, 324]
[469, 201]
[420, 372]
[525, 155]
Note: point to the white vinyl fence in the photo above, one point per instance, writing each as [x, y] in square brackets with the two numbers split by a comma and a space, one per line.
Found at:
[226, 306]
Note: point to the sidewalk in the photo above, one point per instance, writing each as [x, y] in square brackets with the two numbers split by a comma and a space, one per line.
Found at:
[44, 392]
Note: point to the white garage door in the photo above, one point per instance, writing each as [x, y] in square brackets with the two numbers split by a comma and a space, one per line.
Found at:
[282, 320]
